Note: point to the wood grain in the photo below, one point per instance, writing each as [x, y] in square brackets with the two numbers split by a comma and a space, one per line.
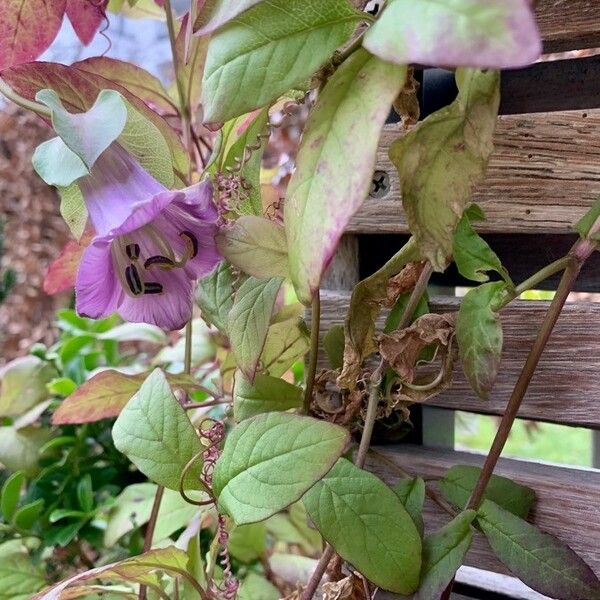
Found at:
[569, 25]
[566, 504]
[565, 387]
[543, 176]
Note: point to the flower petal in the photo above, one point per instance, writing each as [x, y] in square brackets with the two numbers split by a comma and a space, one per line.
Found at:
[171, 309]
[97, 288]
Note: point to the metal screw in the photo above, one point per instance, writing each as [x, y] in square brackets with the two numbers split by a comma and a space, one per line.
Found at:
[373, 7]
[380, 185]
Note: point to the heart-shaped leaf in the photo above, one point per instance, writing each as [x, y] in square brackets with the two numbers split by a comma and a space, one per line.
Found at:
[270, 460]
[367, 525]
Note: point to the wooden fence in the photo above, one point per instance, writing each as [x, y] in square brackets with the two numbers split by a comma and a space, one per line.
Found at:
[543, 176]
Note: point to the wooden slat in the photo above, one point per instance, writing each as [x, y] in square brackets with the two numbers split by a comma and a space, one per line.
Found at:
[569, 25]
[565, 387]
[566, 504]
[543, 176]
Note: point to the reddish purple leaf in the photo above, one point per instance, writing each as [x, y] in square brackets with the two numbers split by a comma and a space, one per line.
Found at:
[86, 16]
[27, 28]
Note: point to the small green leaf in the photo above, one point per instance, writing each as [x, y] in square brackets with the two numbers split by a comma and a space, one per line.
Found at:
[364, 521]
[333, 343]
[256, 587]
[459, 481]
[264, 394]
[443, 158]
[270, 48]
[473, 255]
[412, 495]
[393, 319]
[27, 515]
[249, 319]
[255, 245]
[479, 336]
[269, 461]
[155, 433]
[330, 164]
[287, 341]
[85, 493]
[61, 386]
[90, 133]
[20, 448]
[539, 559]
[247, 543]
[10, 495]
[19, 576]
[584, 224]
[443, 553]
[215, 296]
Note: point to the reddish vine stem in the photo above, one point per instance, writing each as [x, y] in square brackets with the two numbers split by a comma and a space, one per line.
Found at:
[365, 440]
[578, 254]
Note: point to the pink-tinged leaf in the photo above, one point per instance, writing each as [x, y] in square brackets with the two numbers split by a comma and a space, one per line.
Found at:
[86, 16]
[215, 13]
[27, 28]
[333, 171]
[104, 396]
[494, 34]
[62, 271]
[78, 91]
[138, 569]
[136, 80]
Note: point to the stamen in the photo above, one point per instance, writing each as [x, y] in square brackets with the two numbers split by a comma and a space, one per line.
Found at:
[153, 287]
[132, 251]
[133, 280]
[159, 241]
[162, 262]
[191, 244]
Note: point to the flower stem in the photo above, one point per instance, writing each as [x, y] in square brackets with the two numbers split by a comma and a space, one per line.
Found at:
[187, 360]
[36, 107]
[150, 531]
[183, 104]
[314, 350]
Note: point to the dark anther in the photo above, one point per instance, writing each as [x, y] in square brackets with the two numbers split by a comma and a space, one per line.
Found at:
[132, 251]
[153, 288]
[133, 280]
[159, 261]
[193, 240]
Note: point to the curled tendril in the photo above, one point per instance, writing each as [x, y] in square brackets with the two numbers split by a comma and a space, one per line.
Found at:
[207, 489]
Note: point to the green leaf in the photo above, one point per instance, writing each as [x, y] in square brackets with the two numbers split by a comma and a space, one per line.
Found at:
[105, 395]
[539, 559]
[19, 449]
[459, 481]
[27, 515]
[10, 495]
[215, 296]
[269, 461]
[479, 336]
[155, 433]
[23, 385]
[288, 341]
[249, 319]
[255, 245]
[495, 34]
[132, 509]
[19, 576]
[412, 495]
[333, 343]
[85, 493]
[584, 224]
[215, 13]
[265, 51]
[367, 525]
[443, 553]
[330, 164]
[264, 394]
[393, 319]
[473, 255]
[443, 158]
[72, 205]
[256, 587]
[90, 133]
[247, 543]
